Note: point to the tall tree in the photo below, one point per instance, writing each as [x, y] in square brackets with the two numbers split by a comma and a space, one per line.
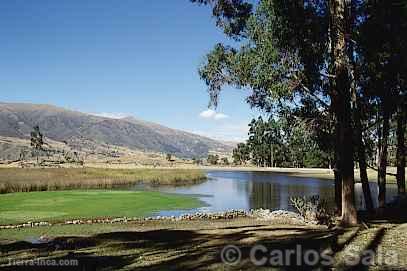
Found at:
[283, 141]
[241, 154]
[401, 149]
[341, 104]
[382, 43]
[357, 110]
[289, 52]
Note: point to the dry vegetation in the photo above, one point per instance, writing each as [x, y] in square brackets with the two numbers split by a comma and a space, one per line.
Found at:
[31, 179]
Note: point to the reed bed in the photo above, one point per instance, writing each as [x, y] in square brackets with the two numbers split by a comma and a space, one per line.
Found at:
[29, 179]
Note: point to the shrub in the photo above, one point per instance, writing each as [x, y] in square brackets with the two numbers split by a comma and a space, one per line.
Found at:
[314, 209]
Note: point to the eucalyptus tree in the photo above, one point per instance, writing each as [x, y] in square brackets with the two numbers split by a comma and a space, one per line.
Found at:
[281, 55]
[241, 154]
[382, 49]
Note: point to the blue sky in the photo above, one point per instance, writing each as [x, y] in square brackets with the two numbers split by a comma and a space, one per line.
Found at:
[127, 57]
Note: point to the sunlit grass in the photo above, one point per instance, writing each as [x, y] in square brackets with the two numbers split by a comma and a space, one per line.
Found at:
[27, 180]
[63, 205]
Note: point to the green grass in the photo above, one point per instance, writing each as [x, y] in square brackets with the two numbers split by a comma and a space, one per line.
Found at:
[50, 179]
[64, 205]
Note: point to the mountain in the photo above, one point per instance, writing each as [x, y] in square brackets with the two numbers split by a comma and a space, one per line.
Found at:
[18, 119]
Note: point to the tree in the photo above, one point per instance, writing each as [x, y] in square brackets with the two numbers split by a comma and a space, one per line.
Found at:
[241, 154]
[213, 159]
[401, 149]
[225, 161]
[37, 142]
[283, 141]
[281, 62]
[384, 62]
[169, 157]
[341, 105]
[323, 57]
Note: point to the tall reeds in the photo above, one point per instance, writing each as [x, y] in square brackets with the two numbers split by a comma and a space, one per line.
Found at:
[26, 180]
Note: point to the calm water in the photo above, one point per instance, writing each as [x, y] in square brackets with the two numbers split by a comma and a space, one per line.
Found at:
[227, 190]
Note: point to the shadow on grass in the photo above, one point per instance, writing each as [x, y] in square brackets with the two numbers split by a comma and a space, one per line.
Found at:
[166, 249]
[387, 215]
[169, 249]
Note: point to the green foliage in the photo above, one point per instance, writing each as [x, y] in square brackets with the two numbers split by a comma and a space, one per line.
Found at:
[213, 159]
[281, 49]
[281, 53]
[335, 68]
[241, 154]
[282, 142]
[225, 161]
[232, 15]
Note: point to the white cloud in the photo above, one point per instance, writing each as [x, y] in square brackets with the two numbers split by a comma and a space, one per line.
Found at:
[212, 114]
[113, 115]
[207, 114]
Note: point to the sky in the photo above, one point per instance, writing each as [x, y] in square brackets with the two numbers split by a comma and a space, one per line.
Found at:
[117, 58]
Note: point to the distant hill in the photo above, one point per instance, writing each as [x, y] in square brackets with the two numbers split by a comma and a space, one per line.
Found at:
[62, 125]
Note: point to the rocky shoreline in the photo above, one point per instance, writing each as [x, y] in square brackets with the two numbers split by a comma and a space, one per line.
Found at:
[278, 216]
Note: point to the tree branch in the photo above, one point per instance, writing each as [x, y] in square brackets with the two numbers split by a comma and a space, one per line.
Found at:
[313, 95]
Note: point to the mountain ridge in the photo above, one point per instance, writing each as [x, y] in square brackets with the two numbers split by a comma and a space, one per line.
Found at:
[64, 125]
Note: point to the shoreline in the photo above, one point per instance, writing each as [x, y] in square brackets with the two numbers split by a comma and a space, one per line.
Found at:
[317, 173]
[260, 214]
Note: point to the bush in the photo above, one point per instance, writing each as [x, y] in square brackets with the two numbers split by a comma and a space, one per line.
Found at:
[314, 209]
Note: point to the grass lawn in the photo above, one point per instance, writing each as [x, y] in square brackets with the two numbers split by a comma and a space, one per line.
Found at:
[64, 205]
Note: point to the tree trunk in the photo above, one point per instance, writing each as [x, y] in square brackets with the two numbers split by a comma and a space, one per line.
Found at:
[367, 195]
[382, 167]
[341, 101]
[338, 175]
[332, 86]
[338, 191]
[362, 162]
[401, 149]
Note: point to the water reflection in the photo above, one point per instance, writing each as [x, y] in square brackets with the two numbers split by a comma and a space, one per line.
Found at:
[273, 191]
[227, 190]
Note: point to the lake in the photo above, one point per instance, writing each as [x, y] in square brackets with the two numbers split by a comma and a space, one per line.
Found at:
[226, 190]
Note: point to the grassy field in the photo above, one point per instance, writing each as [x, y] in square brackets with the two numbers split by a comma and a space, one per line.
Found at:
[30, 179]
[63, 205]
